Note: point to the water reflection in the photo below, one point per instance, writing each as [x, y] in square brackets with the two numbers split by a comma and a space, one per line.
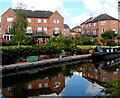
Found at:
[83, 79]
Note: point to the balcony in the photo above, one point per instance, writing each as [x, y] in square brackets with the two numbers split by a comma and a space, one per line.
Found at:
[29, 32]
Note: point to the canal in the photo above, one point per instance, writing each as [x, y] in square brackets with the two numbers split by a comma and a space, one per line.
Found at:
[83, 79]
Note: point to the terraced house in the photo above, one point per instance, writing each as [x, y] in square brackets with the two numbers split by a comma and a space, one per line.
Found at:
[95, 26]
[52, 23]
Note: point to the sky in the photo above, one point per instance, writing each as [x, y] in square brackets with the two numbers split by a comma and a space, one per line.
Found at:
[74, 11]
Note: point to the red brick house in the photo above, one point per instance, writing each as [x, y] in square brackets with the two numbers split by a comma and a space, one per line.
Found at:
[51, 22]
[95, 26]
[66, 30]
[77, 29]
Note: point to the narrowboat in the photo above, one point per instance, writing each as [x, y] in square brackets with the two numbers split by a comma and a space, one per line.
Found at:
[106, 53]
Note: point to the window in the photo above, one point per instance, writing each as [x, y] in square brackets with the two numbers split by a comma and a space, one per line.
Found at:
[9, 28]
[9, 19]
[65, 29]
[56, 21]
[39, 20]
[94, 24]
[113, 29]
[46, 84]
[45, 21]
[90, 24]
[29, 20]
[96, 77]
[45, 28]
[7, 36]
[103, 23]
[57, 83]
[94, 32]
[104, 79]
[86, 25]
[29, 86]
[103, 30]
[113, 23]
[39, 85]
[9, 88]
[88, 75]
[56, 31]
[39, 29]
[29, 30]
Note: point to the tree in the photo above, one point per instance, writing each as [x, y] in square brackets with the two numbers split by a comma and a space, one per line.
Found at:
[112, 88]
[109, 34]
[20, 24]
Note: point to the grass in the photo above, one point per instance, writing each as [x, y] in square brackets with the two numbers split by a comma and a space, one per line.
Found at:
[86, 46]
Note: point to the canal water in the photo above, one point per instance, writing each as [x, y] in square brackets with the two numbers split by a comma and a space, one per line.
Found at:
[83, 79]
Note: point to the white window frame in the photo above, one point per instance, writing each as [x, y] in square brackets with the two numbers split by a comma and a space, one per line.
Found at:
[7, 36]
[9, 19]
[29, 20]
[105, 79]
[29, 86]
[29, 30]
[45, 28]
[39, 28]
[39, 85]
[94, 24]
[103, 22]
[8, 30]
[45, 20]
[39, 20]
[46, 84]
[56, 21]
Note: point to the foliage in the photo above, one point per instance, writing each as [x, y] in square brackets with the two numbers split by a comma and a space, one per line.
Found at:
[111, 43]
[12, 55]
[19, 25]
[61, 42]
[109, 34]
[112, 88]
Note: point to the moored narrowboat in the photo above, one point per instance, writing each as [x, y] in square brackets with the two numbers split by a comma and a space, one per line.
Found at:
[106, 52]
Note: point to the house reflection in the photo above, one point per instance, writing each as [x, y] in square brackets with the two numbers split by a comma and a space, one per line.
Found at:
[97, 72]
[37, 87]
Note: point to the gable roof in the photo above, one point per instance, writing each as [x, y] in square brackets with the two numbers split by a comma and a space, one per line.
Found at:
[37, 14]
[66, 26]
[76, 27]
[72, 31]
[103, 17]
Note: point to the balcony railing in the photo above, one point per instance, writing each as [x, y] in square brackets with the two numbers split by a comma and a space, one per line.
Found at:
[29, 32]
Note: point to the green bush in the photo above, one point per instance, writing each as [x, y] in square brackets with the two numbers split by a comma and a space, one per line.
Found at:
[11, 55]
[78, 50]
[111, 43]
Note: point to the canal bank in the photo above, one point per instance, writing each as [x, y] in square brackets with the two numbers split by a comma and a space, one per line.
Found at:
[46, 63]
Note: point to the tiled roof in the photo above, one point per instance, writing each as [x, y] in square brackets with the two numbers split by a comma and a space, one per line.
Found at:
[103, 17]
[66, 26]
[72, 31]
[76, 27]
[37, 14]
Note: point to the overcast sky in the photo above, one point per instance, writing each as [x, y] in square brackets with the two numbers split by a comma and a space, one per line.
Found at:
[73, 11]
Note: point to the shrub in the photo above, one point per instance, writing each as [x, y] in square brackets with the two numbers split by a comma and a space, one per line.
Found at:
[111, 43]
[12, 55]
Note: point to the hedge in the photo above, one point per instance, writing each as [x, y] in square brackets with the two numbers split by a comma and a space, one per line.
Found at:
[12, 55]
